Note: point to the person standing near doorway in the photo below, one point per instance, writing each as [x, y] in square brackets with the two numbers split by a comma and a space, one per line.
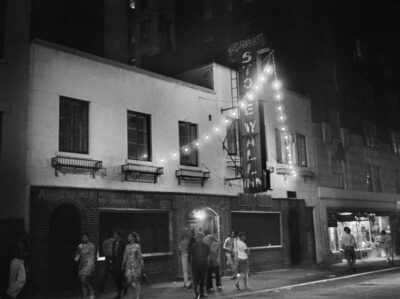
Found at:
[117, 256]
[386, 243]
[243, 261]
[199, 255]
[85, 255]
[229, 245]
[213, 266]
[348, 244]
[184, 253]
[106, 247]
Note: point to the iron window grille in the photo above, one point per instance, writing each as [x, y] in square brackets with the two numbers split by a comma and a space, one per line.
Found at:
[142, 173]
[192, 175]
[75, 165]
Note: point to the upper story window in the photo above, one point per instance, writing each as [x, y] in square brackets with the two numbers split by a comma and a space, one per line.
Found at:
[74, 126]
[188, 148]
[392, 102]
[395, 139]
[139, 136]
[2, 26]
[366, 95]
[293, 148]
[301, 150]
[358, 49]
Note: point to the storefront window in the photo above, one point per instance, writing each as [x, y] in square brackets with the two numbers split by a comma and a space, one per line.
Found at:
[366, 229]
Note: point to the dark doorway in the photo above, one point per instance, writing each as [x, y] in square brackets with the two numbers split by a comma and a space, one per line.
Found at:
[64, 237]
[295, 240]
[311, 252]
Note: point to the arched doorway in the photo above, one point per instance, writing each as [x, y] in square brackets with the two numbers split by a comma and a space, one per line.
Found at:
[64, 237]
[295, 240]
[204, 219]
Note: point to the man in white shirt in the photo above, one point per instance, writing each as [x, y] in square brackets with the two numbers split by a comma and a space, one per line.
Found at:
[348, 244]
[386, 243]
[243, 261]
[230, 250]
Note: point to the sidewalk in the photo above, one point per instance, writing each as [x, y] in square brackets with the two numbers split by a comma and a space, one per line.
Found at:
[258, 281]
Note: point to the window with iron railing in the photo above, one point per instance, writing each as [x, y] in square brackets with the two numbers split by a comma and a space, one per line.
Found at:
[187, 138]
[74, 126]
[139, 136]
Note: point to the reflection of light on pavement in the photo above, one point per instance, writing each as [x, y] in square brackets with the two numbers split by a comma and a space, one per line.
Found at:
[200, 214]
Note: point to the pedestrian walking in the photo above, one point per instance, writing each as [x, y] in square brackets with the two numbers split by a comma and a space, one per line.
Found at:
[213, 266]
[348, 244]
[133, 262]
[184, 253]
[386, 244]
[243, 261]
[17, 274]
[117, 257]
[107, 252]
[85, 255]
[199, 253]
[229, 245]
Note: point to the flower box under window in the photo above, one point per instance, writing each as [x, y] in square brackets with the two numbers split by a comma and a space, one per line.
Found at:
[141, 173]
[65, 165]
[192, 175]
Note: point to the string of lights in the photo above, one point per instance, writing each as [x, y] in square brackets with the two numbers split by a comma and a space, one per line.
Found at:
[268, 72]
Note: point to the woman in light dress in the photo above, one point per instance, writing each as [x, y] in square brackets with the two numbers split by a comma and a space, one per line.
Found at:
[85, 255]
[133, 262]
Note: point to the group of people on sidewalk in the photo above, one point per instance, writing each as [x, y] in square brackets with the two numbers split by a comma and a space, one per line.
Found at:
[124, 263]
[349, 246]
[200, 258]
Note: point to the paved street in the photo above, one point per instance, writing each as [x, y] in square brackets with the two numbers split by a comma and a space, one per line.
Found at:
[379, 285]
[373, 277]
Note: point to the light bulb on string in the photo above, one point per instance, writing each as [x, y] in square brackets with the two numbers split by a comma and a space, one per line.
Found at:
[268, 69]
[276, 85]
[250, 96]
[234, 114]
[294, 174]
[174, 154]
[186, 150]
[162, 159]
[278, 96]
[227, 121]
[197, 143]
[281, 118]
[206, 137]
[283, 129]
[216, 130]
[242, 104]
[256, 87]
[262, 78]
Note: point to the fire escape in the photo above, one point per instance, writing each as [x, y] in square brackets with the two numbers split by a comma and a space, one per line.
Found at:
[231, 143]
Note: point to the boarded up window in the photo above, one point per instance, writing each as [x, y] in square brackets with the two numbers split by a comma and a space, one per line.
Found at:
[262, 229]
[152, 227]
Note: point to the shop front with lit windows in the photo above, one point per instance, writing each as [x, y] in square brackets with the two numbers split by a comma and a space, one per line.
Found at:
[366, 227]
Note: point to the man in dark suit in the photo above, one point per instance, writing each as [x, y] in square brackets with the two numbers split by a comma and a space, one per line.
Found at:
[118, 249]
[199, 255]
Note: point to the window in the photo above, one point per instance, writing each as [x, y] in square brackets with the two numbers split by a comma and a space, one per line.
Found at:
[358, 49]
[232, 138]
[392, 103]
[187, 138]
[282, 154]
[2, 26]
[301, 150]
[74, 122]
[269, 235]
[293, 147]
[377, 179]
[152, 227]
[139, 137]
[395, 139]
[366, 95]
[374, 178]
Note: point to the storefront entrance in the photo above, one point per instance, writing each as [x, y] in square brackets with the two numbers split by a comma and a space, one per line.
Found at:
[365, 227]
[204, 220]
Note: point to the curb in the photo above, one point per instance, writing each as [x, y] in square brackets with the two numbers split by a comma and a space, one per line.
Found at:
[289, 287]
